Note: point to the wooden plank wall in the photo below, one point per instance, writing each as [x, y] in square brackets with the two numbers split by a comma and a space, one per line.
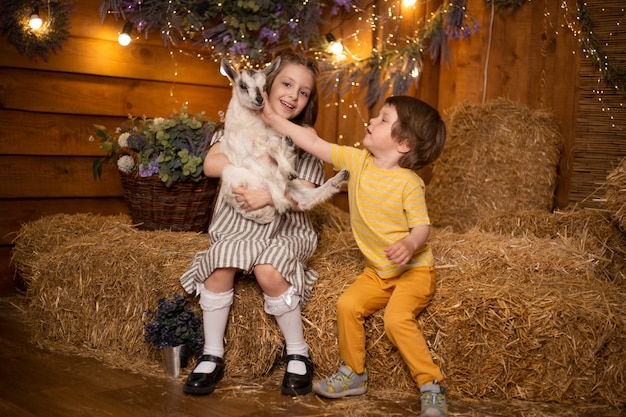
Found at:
[47, 108]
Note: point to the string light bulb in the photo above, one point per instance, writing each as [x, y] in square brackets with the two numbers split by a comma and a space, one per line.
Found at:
[124, 37]
[408, 3]
[334, 46]
[35, 21]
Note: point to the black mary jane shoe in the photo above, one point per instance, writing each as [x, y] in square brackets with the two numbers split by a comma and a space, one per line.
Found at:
[294, 384]
[203, 384]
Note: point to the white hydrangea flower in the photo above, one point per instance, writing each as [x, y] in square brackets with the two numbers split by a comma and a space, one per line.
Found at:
[126, 164]
[123, 140]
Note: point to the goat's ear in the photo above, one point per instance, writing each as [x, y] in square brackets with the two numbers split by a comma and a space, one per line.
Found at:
[269, 69]
[227, 69]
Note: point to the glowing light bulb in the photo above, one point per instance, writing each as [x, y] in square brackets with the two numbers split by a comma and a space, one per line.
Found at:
[124, 37]
[35, 21]
[334, 46]
[408, 3]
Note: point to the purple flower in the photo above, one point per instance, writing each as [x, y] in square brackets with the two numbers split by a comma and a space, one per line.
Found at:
[346, 4]
[240, 48]
[173, 323]
[136, 142]
[151, 169]
[270, 35]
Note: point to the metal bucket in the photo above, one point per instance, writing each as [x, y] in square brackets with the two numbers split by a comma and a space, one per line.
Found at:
[174, 358]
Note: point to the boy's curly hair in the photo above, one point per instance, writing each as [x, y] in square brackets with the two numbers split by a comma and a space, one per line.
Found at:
[422, 126]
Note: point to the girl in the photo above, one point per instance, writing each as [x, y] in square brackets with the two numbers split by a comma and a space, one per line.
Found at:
[276, 252]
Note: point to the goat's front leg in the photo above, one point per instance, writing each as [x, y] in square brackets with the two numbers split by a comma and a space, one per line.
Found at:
[307, 198]
[283, 151]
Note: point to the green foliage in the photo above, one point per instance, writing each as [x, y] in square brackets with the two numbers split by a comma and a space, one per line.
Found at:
[172, 148]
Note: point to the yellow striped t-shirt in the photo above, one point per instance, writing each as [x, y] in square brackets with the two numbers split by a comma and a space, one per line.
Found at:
[385, 204]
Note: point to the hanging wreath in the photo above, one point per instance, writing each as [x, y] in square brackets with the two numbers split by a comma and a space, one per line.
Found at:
[15, 15]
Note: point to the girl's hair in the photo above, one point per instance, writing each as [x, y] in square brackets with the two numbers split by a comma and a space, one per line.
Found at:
[308, 116]
[422, 126]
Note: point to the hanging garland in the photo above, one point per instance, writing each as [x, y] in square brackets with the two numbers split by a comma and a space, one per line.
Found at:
[249, 31]
[246, 30]
[15, 15]
[400, 67]
[615, 76]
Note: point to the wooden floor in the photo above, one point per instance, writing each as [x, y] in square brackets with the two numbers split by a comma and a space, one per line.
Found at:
[35, 382]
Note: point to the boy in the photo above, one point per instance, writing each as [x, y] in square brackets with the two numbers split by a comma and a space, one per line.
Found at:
[390, 224]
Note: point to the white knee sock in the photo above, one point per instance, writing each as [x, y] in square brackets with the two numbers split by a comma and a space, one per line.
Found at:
[215, 309]
[286, 309]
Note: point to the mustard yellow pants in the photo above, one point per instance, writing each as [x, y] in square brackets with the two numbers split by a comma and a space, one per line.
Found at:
[404, 296]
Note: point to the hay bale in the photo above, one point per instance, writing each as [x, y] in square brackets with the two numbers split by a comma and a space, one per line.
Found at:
[591, 230]
[499, 157]
[91, 278]
[514, 317]
[91, 293]
[616, 194]
[525, 318]
[45, 234]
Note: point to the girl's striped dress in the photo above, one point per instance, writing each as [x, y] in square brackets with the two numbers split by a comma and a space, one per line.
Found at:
[287, 242]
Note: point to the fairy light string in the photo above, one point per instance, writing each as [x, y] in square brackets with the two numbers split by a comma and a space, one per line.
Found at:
[391, 62]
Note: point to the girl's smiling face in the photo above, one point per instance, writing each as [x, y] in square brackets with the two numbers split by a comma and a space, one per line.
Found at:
[291, 90]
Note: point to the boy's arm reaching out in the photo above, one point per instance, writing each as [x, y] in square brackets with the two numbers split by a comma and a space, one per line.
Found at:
[305, 138]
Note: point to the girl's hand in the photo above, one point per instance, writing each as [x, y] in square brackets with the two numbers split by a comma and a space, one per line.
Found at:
[250, 199]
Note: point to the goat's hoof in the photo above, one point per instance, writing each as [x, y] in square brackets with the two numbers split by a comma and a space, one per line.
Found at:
[341, 177]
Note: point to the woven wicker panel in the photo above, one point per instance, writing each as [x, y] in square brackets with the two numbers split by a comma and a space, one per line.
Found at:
[600, 136]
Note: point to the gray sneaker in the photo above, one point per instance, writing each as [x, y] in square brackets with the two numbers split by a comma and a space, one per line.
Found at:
[433, 398]
[343, 383]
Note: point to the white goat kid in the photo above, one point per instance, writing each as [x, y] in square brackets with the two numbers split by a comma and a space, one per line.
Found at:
[259, 157]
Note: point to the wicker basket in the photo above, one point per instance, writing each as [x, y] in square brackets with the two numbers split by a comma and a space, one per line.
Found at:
[186, 206]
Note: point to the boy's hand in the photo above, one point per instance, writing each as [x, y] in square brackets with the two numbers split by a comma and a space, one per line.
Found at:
[267, 113]
[399, 253]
